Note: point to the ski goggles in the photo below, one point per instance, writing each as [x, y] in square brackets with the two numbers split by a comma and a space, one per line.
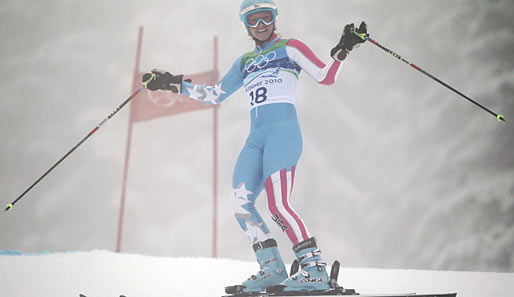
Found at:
[266, 16]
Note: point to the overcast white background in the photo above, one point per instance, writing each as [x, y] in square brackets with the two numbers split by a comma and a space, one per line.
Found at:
[397, 171]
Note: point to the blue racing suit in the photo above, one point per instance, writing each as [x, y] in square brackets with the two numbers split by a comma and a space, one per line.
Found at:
[269, 76]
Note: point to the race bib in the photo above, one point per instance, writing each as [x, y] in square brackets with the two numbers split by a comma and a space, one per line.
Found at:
[268, 81]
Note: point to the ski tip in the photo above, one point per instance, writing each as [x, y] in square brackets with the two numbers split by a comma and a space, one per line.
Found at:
[9, 207]
[500, 118]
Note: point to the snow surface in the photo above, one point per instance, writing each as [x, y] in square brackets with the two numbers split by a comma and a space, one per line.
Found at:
[102, 273]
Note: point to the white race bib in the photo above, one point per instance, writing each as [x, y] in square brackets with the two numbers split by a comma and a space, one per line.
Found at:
[273, 85]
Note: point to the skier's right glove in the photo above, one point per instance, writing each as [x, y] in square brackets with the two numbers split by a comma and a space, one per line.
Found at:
[163, 80]
[352, 37]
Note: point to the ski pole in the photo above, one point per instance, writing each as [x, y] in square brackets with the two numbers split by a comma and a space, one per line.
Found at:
[11, 205]
[499, 117]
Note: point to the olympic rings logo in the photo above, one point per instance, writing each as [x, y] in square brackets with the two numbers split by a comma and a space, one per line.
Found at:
[260, 61]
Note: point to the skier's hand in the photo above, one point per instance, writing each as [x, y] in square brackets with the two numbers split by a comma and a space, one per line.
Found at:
[163, 80]
[352, 37]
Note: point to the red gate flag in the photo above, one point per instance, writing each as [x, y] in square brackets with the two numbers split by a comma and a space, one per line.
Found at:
[155, 104]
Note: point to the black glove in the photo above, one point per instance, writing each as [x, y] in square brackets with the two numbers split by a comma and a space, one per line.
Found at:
[351, 38]
[163, 80]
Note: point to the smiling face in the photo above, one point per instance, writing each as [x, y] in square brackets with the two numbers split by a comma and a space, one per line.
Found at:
[261, 25]
[262, 32]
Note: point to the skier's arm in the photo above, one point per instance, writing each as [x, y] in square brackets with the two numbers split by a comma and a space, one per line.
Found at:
[219, 92]
[302, 55]
[162, 80]
[327, 74]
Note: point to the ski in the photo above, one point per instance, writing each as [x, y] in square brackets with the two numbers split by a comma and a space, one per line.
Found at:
[336, 290]
[338, 293]
[409, 295]
[82, 295]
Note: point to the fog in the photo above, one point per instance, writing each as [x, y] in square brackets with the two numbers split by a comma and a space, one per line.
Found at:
[396, 172]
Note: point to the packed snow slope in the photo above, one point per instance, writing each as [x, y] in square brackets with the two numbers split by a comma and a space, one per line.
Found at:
[103, 274]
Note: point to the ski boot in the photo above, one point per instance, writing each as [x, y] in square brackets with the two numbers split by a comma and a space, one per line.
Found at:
[310, 273]
[273, 270]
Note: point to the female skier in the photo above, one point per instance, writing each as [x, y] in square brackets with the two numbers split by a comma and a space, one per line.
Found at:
[269, 75]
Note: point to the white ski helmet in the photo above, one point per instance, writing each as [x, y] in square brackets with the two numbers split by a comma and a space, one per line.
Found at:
[249, 6]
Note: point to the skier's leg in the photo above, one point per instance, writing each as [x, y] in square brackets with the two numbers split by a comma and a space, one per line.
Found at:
[279, 186]
[247, 184]
[281, 154]
[280, 158]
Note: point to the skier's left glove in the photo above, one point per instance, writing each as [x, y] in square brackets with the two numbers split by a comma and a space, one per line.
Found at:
[352, 37]
[163, 80]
